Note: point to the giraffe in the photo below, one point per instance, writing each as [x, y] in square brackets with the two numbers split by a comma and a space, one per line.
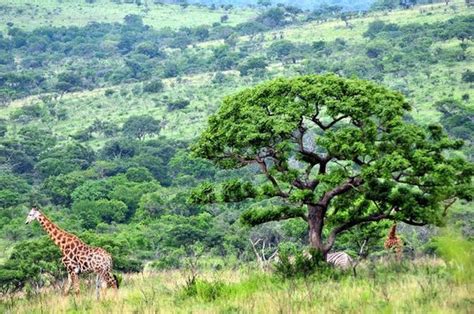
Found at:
[78, 257]
[394, 242]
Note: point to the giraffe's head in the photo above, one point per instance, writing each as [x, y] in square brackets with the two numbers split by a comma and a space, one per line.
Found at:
[33, 215]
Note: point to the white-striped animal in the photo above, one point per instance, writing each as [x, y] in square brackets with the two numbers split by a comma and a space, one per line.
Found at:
[340, 260]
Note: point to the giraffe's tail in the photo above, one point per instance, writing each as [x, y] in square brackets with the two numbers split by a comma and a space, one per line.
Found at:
[117, 282]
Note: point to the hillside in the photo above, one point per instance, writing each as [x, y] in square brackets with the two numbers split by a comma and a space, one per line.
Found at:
[29, 16]
[104, 107]
[198, 87]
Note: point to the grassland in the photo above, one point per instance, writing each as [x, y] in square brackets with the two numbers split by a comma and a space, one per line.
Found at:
[29, 15]
[423, 87]
[422, 287]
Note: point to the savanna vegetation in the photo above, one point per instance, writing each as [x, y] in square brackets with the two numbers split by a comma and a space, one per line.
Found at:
[195, 139]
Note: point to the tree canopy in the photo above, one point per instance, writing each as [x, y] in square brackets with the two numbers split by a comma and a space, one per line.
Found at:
[141, 126]
[337, 153]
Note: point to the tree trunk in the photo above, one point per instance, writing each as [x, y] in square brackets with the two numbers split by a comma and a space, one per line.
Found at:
[316, 224]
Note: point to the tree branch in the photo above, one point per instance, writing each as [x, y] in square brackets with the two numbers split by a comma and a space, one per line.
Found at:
[329, 195]
[352, 223]
[413, 223]
[263, 167]
[332, 123]
[449, 204]
[257, 216]
[311, 158]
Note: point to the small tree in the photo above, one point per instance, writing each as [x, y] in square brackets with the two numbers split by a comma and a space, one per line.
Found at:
[154, 86]
[141, 126]
[337, 153]
[468, 76]
[280, 49]
[273, 17]
[254, 63]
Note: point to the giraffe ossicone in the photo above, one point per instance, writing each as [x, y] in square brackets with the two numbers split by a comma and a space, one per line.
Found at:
[78, 257]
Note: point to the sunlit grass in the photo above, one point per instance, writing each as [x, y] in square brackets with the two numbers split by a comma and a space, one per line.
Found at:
[32, 14]
[423, 287]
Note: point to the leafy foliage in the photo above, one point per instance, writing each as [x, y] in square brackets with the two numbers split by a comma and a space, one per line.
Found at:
[349, 143]
[141, 126]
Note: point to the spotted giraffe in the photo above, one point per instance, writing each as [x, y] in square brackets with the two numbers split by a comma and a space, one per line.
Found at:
[393, 242]
[78, 257]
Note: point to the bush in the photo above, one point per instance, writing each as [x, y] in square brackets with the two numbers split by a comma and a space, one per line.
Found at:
[378, 26]
[177, 104]
[109, 92]
[141, 126]
[154, 86]
[252, 64]
[36, 262]
[280, 49]
[297, 263]
[468, 76]
[172, 259]
[127, 265]
[3, 127]
[138, 174]
[207, 291]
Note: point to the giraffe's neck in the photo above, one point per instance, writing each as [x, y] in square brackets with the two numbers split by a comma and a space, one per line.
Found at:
[57, 234]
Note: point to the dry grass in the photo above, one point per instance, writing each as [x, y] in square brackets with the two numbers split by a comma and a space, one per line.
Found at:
[421, 287]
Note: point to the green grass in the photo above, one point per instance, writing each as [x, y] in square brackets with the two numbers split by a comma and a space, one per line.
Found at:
[424, 286]
[332, 29]
[83, 107]
[33, 14]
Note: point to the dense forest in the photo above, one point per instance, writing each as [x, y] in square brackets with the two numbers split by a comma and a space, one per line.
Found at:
[143, 132]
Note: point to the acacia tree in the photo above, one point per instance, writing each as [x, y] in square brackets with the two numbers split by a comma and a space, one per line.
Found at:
[141, 126]
[337, 153]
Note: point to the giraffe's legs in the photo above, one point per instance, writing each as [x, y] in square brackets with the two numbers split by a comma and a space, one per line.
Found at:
[67, 287]
[75, 282]
[72, 280]
[98, 284]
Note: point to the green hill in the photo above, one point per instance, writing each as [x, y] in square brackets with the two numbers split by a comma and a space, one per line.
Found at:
[347, 55]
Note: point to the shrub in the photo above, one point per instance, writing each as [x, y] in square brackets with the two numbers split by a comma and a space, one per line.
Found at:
[468, 76]
[207, 291]
[154, 86]
[141, 126]
[297, 263]
[109, 92]
[177, 104]
[35, 262]
[138, 174]
[169, 260]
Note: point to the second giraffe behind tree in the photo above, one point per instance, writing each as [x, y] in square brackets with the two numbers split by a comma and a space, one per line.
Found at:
[78, 257]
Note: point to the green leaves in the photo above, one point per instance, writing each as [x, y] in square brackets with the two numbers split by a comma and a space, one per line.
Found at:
[236, 191]
[259, 215]
[327, 141]
[141, 126]
[271, 113]
[203, 194]
[233, 190]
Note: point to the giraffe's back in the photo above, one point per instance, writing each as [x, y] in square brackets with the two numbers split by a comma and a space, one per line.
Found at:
[84, 258]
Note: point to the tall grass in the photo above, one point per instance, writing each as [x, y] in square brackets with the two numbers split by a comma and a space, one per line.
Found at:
[426, 286]
[459, 254]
